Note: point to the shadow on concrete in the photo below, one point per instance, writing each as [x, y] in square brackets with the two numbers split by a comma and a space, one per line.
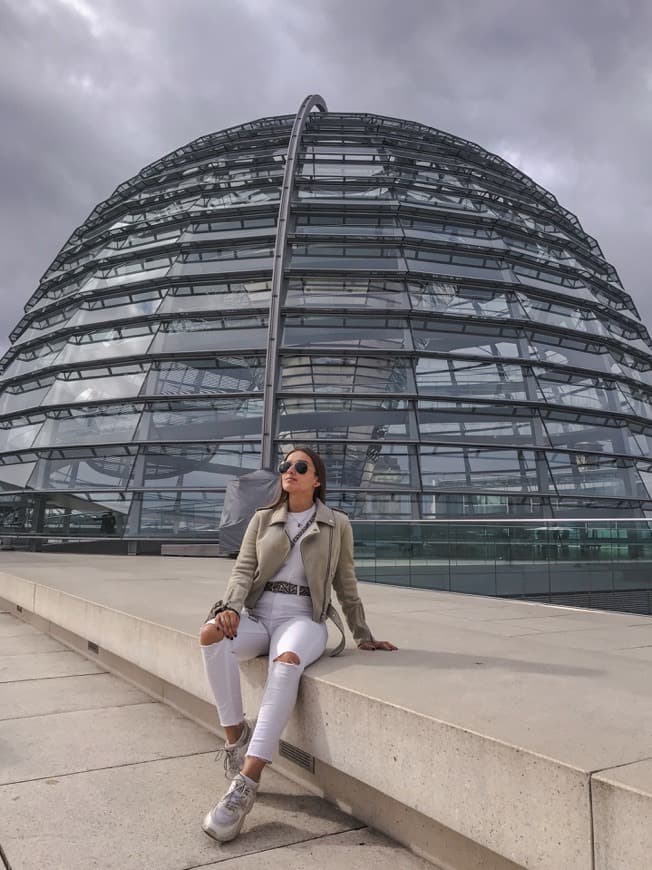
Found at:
[421, 658]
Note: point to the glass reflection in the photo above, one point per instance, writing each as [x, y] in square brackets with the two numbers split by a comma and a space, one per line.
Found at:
[185, 335]
[214, 298]
[179, 513]
[83, 471]
[206, 376]
[17, 437]
[476, 468]
[201, 421]
[370, 332]
[355, 419]
[346, 374]
[70, 389]
[107, 424]
[345, 293]
[96, 514]
[198, 465]
[470, 378]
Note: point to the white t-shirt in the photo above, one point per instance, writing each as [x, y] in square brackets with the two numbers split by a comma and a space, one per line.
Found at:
[292, 570]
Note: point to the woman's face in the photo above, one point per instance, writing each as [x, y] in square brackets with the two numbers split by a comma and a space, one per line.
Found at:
[300, 484]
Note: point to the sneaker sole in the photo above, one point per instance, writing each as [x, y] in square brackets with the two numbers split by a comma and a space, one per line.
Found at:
[207, 828]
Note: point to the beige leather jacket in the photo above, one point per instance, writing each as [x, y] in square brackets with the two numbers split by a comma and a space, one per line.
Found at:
[327, 552]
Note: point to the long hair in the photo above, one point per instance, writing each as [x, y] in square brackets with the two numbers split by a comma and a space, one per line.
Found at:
[320, 469]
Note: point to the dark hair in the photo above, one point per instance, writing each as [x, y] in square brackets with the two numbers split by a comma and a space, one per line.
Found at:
[320, 469]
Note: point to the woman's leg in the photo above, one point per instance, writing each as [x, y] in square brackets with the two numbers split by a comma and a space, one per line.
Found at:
[294, 645]
[221, 662]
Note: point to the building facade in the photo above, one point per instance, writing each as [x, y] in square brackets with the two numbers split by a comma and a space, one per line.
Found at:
[425, 315]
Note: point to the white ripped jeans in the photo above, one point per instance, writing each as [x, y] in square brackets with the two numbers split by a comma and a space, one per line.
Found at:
[278, 624]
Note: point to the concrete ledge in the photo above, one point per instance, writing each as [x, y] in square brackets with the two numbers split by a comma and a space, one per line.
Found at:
[460, 797]
[622, 810]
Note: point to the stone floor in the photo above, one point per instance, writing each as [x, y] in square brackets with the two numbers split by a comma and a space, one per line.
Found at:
[96, 774]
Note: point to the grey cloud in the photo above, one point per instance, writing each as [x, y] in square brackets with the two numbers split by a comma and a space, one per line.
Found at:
[563, 89]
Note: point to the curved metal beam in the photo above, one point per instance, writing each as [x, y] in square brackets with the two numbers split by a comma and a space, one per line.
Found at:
[314, 101]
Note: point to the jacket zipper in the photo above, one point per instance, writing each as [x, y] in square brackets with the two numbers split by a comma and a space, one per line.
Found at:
[328, 570]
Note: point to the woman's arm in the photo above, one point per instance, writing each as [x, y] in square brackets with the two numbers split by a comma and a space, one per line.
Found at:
[244, 569]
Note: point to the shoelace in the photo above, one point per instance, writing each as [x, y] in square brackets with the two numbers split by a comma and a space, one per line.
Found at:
[234, 797]
[229, 758]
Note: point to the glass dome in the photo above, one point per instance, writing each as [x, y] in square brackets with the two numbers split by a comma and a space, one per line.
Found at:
[425, 315]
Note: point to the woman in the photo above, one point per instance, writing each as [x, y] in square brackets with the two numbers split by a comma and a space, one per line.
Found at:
[276, 603]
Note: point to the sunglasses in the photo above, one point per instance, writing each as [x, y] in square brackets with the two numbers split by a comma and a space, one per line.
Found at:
[300, 466]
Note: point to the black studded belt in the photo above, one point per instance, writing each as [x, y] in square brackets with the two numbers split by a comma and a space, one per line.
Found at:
[287, 588]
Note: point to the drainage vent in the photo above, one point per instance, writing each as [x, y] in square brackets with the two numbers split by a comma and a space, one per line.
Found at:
[93, 647]
[298, 756]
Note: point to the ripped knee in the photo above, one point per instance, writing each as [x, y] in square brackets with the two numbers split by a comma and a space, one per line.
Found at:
[210, 634]
[290, 658]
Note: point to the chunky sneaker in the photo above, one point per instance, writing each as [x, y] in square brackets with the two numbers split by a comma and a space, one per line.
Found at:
[234, 753]
[224, 821]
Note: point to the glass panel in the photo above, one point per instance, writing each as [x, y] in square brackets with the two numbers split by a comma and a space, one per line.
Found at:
[556, 314]
[464, 301]
[106, 345]
[207, 376]
[240, 252]
[203, 334]
[464, 339]
[83, 472]
[322, 190]
[222, 267]
[318, 255]
[111, 424]
[346, 293]
[462, 378]
[82, 514]
[565, 389]
[353, 419]
[16, 474]
[198, 465]
[463, 265]
[591, 437]
[595, 475]
[90, 314]
[123, 384]
[13, 437]
[355, 374]
[11, 401]
[347, 224]
[475, 468]
[371, 332]
[180, 513]
[374, 505]
[635, 400]
[469, 504]
[564, 351]
[202, 421]
[378, 465]
[17, 511]
[37, 358]
[218, 297]
[483, 424]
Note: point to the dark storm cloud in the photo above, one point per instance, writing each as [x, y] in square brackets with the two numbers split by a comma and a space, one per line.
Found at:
[92, 90]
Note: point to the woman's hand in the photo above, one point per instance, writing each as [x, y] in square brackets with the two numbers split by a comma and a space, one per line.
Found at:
[228, 622]
[376, 644]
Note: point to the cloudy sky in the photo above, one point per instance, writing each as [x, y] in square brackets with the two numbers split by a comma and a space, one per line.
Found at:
[93, 90]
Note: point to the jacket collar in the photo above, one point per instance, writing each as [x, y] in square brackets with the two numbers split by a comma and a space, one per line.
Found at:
[324, 514]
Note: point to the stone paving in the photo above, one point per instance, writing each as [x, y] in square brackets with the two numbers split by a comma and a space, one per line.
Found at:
[96, 774]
